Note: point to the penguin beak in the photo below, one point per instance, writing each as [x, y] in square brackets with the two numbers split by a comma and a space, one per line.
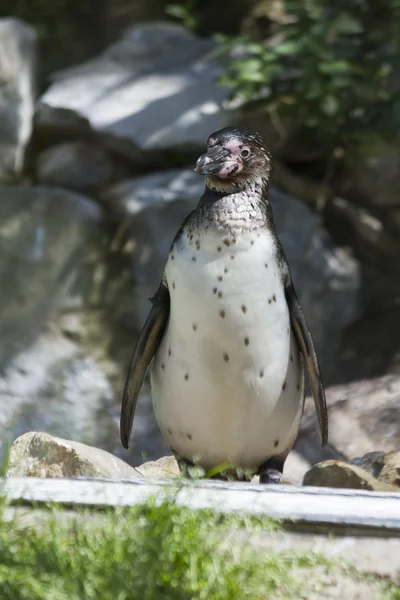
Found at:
[213, 161]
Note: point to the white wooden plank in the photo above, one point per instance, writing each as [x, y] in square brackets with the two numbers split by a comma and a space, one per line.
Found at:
[346, 508]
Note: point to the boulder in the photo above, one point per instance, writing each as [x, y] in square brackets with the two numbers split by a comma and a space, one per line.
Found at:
[338, 474]
[364, 417]
[390, 472]
[75, 165]
[327, 279]
[18, 50]
[64, 345]
[42, 234]
[153, 90]
[41, 455]
[166, 466]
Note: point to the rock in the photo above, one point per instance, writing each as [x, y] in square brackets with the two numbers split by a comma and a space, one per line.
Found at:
[337, 474]
[42, 455]
[75, 165]
[364, 417]
[163, 467]
[18, 49]
[64, 343]
[52, 124]
[372, 462]
[390, 472]
[153, 90]
[42, 234]
[326, 278]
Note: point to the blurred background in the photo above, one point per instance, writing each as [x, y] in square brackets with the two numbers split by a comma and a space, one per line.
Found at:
[104, 107]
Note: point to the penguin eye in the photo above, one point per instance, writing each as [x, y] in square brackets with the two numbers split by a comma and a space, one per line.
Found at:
[245, 153]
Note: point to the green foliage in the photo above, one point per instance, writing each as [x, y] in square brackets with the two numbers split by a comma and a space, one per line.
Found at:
[153, 552]
[158, 551]
[330, 67]
[184, 13]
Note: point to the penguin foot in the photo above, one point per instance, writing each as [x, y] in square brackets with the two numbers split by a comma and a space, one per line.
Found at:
[270, 476]
[271, 471]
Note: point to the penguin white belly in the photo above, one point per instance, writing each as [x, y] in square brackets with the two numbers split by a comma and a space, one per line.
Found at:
[227, 380]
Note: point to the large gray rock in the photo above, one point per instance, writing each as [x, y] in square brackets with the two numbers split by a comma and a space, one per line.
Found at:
[18, 49]
[42, 233]
[154, 89]
[64, 345]
[41, 455]
[364, 417]
[75, 165]
[327, 279]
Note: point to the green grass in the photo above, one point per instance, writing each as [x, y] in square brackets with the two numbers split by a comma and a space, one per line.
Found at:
[150, 552]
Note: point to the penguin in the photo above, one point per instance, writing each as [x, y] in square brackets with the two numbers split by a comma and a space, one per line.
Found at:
[226, 336]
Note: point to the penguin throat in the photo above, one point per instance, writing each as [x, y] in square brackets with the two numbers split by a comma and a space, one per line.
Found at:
[240, 184]
[239, 210]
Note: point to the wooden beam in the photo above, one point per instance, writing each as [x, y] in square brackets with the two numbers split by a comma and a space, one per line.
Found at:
[309, 508]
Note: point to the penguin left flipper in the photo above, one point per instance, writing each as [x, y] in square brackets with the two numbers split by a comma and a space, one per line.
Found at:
[146, 347]
[306, 345]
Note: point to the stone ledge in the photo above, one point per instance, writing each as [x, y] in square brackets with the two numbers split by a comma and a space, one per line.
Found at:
[308, 509]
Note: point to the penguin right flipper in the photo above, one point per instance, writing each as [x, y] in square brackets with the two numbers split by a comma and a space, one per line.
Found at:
[146, 347]
[306, 345]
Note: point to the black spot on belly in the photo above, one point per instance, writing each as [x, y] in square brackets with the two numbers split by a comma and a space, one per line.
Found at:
[163, 367]
[298, 387]
[215, 290]
[226, 356]
[266, 265]
[197, 245]
[284, 385]
[186, 376]
[262, 373]
[222, 314]
[225, 270]
[269, 300]
[252, 242]
[194, 327]
[246, 341]
[276, 443]
[291, 358]
[232, 256]
[244, 308]
[220, 278]
[169, 351]
[219, 294]
[189, 436]
[194, 259]
[172, 257]
[274, 298]
[169, 431]
[219, 248]
[226, 242]
[173, 284]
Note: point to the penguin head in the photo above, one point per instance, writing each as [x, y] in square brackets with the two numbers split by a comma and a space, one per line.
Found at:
[235, 155]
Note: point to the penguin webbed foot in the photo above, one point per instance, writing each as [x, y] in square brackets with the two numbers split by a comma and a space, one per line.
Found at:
[271, 471]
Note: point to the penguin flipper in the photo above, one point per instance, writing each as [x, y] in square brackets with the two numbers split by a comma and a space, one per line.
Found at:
[146, 347]
[306, 345]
